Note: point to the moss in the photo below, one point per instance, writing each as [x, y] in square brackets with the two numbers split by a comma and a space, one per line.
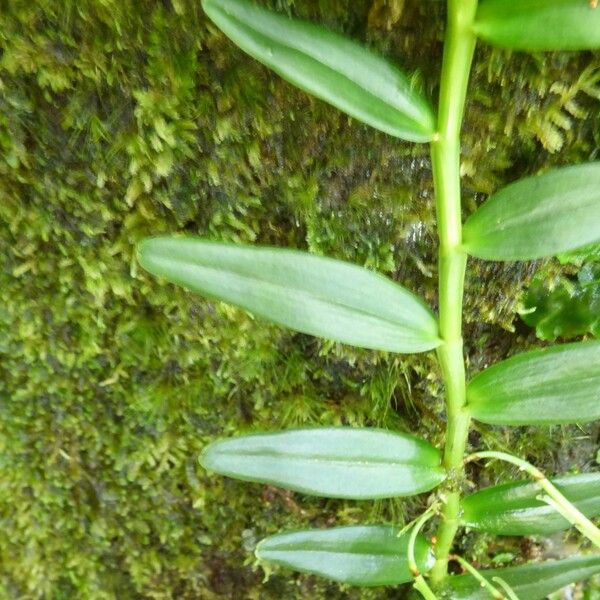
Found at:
[122, 119]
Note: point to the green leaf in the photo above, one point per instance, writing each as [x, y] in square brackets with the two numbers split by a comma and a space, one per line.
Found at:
[311, 294]
[538, 216]
[539, 24]
[364, 556]
[564, 307]
[329, 66]
[529, 582]
[335, 462]
[560, 384]
[513, 508]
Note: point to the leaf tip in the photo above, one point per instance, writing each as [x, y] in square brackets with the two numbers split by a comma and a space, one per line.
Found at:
[205, 459]
[146, 253]
[258, 550]
[141, 251]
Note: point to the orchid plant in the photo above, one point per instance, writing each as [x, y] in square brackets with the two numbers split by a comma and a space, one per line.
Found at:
[540, 216]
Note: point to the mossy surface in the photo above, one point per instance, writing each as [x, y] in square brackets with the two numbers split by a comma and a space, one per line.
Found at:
[121, 119]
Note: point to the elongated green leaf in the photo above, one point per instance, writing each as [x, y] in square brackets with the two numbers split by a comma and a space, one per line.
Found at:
[538, 216]
[336, 462]
[529, 582]
[328, 66]
[513, 508]
[539, 24]
[364, 556]
[560, 384]
[312, 294]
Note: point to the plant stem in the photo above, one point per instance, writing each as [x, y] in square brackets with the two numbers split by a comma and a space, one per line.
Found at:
[459, 47]
[419, 584]
[507, 589]
[555, 499]
[477, 575]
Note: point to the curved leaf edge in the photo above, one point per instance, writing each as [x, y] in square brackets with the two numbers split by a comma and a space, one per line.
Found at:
[434, 468]
[423, 124]
[424, 556]
[428, 337]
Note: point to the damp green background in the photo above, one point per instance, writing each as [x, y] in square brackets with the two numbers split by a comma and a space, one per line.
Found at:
[121, 119]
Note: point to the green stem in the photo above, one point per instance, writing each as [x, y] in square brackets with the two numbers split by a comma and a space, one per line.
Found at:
[507, 589]
[459, 47]
[419, 584]
[555, 499]
[477, 575]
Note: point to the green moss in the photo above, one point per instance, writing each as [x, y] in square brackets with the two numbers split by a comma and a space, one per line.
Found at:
[123, 119]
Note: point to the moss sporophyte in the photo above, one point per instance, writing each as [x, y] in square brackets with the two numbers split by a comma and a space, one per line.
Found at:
[540, 216]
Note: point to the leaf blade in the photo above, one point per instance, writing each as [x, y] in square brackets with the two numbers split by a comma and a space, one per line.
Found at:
[513, 508]
[531, 581]
[329, 66]
[312, 294]
[334, 462]
[556, 385]
[539, 25]
[538, 216]
[364, 556]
